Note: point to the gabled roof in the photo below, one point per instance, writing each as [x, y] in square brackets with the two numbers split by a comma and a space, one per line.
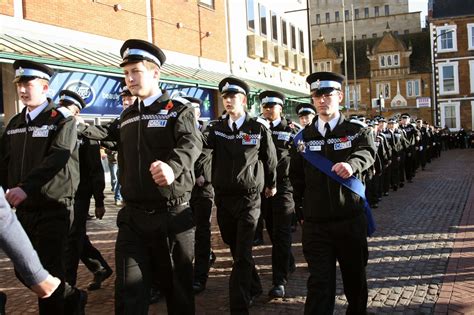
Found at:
[420, 58]
[452, 8]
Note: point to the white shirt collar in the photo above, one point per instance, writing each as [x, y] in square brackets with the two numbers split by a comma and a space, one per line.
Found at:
[239, 122]
[332, 123]
[150, 100]
[276, 122]
[35, 112]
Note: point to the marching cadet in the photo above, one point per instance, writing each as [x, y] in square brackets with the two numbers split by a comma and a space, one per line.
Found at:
[423, 144]
[372, 177]
[384, 154]
[306, 113]
[335, 227]
[244, 165]
[410, 133]
[91, 184]
[278, 210]
[155, 241]
[39, 167]
[387, 175]
[202, 199]
[396, 145]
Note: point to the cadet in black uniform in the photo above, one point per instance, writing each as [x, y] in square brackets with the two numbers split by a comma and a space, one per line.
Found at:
[410, 133]
[202, 199]
[243, 165]
[306, 113]
[39, 167]
[278, 210]
[158, 143]
[335, 227]
[91, 184]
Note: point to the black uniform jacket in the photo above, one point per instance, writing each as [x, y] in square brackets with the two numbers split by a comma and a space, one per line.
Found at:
[92, 172]
[41, 157]
[164, 131]
[282, 136]
[325, 200]
[203, 167]
[244, 161]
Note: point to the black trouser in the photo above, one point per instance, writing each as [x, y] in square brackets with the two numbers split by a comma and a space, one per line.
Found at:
[378, 185]
[79, 246]
[422, 157]
[323, 244]
[395, 176]
[202, 209]
[401, 167]
[371, 189]
[387, 178]
[154, 247]
[278, 213]
[47, 229]
[409, 165]
[237, 216]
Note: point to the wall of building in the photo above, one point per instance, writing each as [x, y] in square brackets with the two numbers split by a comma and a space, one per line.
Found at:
[256, 68]
[401, 23]
[323, 6]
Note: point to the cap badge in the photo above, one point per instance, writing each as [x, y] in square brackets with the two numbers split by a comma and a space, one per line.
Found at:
[226, 86]
[21, 71]
[317, 84]
[126, 52]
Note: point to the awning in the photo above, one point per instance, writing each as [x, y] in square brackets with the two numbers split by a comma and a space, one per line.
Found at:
[80, 58]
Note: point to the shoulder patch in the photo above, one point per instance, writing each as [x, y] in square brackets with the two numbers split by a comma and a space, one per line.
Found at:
[263, 122]
[64, 111]
[358, 122]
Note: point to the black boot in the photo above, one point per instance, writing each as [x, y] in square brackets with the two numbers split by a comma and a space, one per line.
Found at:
[3, 302]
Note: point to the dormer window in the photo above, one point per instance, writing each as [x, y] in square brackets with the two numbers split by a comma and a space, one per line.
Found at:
[389, 60]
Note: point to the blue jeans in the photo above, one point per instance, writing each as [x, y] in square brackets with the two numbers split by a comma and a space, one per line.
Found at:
[113, 167]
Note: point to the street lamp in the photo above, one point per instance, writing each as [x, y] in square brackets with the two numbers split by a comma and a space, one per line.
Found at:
[434, 50]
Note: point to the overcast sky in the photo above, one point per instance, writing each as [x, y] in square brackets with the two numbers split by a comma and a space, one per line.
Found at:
[419, 5]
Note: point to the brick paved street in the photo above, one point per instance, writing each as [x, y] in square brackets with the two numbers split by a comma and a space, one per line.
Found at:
[410, 270]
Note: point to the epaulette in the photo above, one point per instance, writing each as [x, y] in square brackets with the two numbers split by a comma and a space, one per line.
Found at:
[64, 111]
[358, 122]
[263, 122]
[181, 100]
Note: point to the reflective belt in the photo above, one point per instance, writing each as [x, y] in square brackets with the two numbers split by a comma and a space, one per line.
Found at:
[352, 183]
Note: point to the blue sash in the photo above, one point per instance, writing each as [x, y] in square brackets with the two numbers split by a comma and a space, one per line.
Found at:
[352, 183]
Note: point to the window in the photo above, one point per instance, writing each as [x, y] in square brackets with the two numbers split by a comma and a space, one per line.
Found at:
[323, 66]
[263, 19]
[318, 19]
[333, 40]
[301, 41]
[250, 15]
[336, 16]
[364, 36]
[366, 13]
[384, 89]
[413, 88]
[328, 17]
[374, 35]
[448, 78]
[346, 15]
[274, 26]
[470, 36]
[376, 11]
[446, 39]
[450, 115]
[356, 14]
[395, 33]
[354, 93]
[389, 61]
[471, 75]
[293, 37]
[406, 32]
[207, 3]
[284, 33]
[387, 9]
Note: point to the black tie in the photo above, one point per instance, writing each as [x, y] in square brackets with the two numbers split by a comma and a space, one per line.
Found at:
[271, 125]
[28, 119]
[234, 127]
[327, 129]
